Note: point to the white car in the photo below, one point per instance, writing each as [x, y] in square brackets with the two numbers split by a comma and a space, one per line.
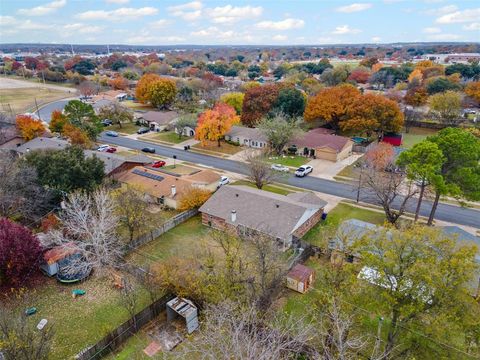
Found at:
[303, 170]
[223, 181]
[279, 167]
[103, 147]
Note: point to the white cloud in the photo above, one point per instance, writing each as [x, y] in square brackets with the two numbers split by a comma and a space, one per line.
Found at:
[159, 23]
[469, 15]
[82, 28]
[189, 11]
[472, 27]
[7, 20]
[231, 14]
[43, 9]
[30, 25]
[432, 30]
[120, 2]
[286, 24]
[444, 37]
[118, 14]
[345, 30]
[442, 11]
[279, 38]
[376, 39]
[354, 7]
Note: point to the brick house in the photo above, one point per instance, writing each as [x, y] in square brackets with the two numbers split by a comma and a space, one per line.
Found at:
[246, 210]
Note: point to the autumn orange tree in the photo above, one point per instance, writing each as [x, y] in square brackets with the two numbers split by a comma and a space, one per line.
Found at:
[372, 112]
[215, 123]
[161, 92]
[258, 101]
[57, 121]
[416, 96]
[473, 90]
[29, 127]
[76, 136]
[331, 104]
[143, 86]
[118, 83]
[193, 197]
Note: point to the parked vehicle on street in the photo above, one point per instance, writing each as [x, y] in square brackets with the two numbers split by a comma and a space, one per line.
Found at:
[279, 167]
[107, 122]
[103, 147]
[158, 164]
[143, 130]
[111, 133]
[150, 150]
[111, 150]
[224, 180]
[303, 170]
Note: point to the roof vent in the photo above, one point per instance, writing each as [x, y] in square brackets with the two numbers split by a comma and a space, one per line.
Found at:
[236, 195]
[277, 206]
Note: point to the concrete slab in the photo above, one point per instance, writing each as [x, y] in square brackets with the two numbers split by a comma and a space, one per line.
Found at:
[328, 169]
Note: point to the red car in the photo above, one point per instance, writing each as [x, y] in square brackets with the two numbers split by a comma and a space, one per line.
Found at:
[158, 164]
[111, 149]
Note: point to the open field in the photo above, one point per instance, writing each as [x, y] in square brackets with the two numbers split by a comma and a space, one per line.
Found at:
[21, 100]
[17, 82]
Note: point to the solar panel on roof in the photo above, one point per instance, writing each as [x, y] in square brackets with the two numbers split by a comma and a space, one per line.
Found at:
[147, 175]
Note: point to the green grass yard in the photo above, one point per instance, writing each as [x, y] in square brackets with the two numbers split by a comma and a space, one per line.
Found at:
[416, 135]
[212, 147]
[290, 160]
[338, 214]
[277, 189]
[127, 128]
[168, 136]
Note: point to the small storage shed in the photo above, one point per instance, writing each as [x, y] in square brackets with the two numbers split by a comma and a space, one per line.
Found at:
[300, 278]
[393, 139]
[184, 308]
[53, 256]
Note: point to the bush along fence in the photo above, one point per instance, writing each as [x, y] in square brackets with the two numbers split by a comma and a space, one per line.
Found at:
[116, 337]
[166, 226]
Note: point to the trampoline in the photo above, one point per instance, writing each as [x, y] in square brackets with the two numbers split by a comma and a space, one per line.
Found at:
[66, 276]
[359, 140]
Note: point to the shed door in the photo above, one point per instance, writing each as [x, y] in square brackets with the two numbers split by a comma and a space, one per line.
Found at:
[300, 287]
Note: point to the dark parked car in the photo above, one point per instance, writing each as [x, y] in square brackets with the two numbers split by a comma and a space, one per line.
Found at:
[149, 150]
[143, 130]
[107, 122]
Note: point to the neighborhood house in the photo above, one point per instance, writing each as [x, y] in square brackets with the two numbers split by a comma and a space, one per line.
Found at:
[316, 143]
[247, 210]
[250, 137]
[157, 120]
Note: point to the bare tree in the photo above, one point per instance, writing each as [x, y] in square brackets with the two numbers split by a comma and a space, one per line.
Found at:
[230, 332]
[259, 171]
[20, 341]
[89, 221]
[129, 299]
[88, 88]
[20, 193]
[389, 187]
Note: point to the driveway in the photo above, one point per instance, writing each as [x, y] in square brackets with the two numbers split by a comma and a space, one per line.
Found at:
[328, 169]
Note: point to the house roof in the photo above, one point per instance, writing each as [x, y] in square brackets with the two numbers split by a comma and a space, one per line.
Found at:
[249, 133]
[317, 138]
[307, 197]
[162, 185]
[273, 214]
[42, 143]
[59, 252]
[463, 236]
[353, 230]
[300, 273]
[203, 177]
[8, 132]
[160, 117]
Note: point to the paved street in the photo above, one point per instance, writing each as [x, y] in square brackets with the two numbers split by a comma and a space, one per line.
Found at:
[46, 111]
[445, 212]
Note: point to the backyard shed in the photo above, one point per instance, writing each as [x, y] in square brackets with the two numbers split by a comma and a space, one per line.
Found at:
[184, 308]
[300, 278]
[53, 256]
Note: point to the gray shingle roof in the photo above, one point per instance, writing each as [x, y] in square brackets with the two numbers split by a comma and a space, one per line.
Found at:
[249, 133]
[42, 143]
[273, 214]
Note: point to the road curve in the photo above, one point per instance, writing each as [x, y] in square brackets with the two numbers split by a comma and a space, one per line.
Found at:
[445, 212]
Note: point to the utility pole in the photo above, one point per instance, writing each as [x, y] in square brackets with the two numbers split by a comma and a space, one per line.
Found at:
[38, 111]
[359, 182]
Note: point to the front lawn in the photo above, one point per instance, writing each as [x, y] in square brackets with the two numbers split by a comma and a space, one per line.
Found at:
[277, 189]
[127, 128]
[78, 322]
[289, 160]
[180, 169]
[224, 148]
[135, 105]
[339, 213]
[168, 136]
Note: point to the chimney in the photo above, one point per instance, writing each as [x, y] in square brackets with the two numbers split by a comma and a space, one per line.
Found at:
[234, 216]
[174, 190]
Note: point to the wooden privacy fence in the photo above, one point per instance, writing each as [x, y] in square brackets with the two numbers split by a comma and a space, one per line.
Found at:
[116, 337]
[167, 225]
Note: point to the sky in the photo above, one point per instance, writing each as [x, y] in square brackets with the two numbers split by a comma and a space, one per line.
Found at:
[236, 22]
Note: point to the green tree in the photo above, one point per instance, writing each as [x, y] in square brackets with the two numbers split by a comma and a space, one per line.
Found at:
[423, 163]
[279, 131]
[67, 170]
[461, 168]
[162, 93]
[83, 116]
[417, 279]
[446, 107]
[440, 85]
[290, 102]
